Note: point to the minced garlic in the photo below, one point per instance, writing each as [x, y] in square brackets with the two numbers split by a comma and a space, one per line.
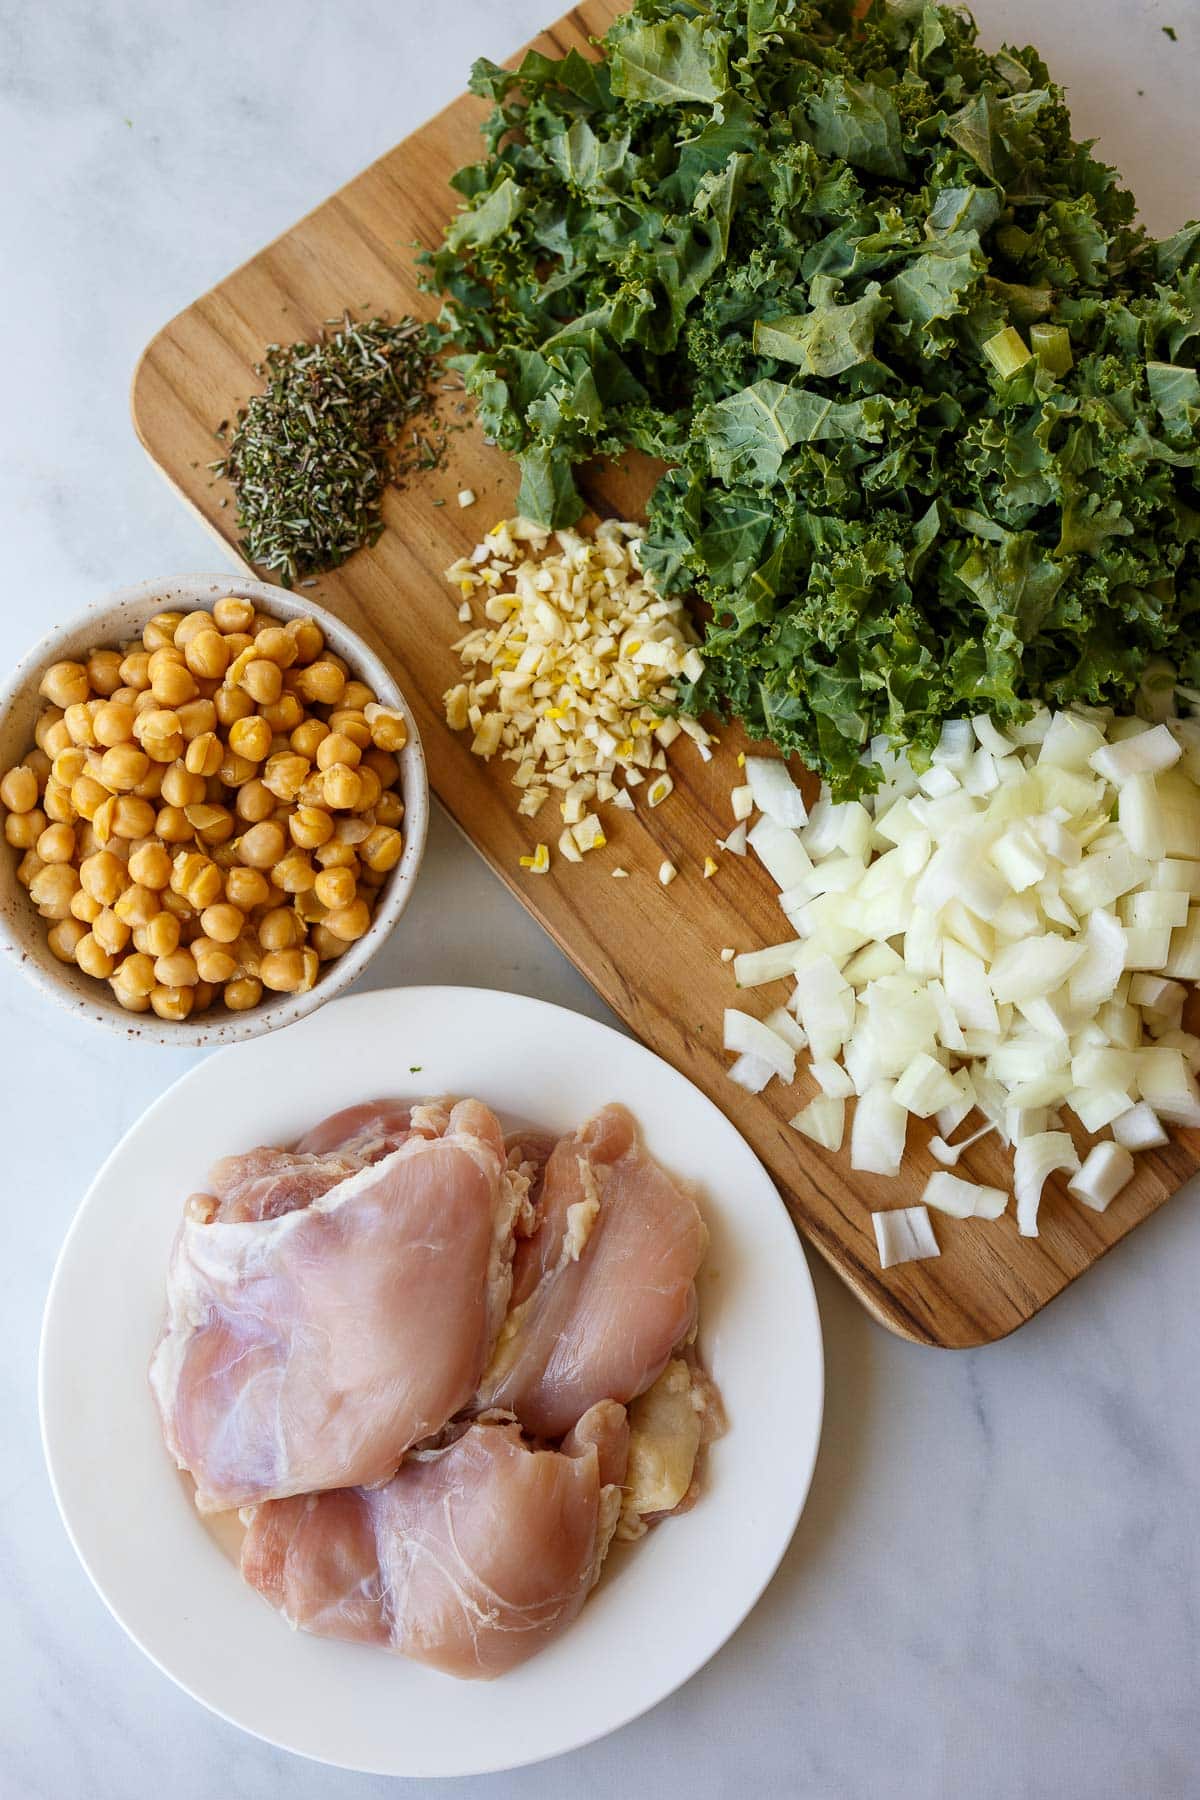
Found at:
[571, 673]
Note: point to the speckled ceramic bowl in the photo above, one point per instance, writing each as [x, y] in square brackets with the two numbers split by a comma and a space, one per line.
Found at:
[112, 621]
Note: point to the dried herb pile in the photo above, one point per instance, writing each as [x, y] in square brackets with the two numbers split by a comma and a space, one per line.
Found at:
[929, 393]
[339, 420]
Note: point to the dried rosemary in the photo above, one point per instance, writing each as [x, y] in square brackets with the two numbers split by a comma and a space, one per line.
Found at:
[310, 456]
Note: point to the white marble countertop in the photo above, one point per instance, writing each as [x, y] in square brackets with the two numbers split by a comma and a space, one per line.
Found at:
[995, 1590]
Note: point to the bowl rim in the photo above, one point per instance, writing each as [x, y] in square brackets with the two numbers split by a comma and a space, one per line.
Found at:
[112, 615]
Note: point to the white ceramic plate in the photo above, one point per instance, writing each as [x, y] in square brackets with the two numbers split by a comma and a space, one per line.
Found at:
[663, 1607]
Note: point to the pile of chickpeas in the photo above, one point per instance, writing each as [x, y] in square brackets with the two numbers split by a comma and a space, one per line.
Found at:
[209, 811]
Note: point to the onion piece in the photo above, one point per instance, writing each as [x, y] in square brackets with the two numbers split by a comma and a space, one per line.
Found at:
[748, 1036]
[925, 1086]
[775, 793]
[1037, 966]
[751, 1073]
[904, 1235]
[1139, 1128]
[961, 1198]
[823, 1120]
[831, 1078]
[1035, 1159]
[824, 1004]
[950, 1153]
[780, 851]
[1106, 1170]
[735, 843]
[1147, 753]
[879, 1130]
[755, 967]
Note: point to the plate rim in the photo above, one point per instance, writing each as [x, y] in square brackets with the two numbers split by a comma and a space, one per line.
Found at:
[806, 1298]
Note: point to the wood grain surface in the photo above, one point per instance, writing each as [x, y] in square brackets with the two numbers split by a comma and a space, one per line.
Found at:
[653, 953]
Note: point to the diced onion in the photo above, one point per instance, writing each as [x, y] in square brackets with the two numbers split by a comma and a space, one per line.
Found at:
[961, 1198]
[748, 1036]
[754, 967]
[1106, 1170]
[775, 793]
[904, 1235]
[878, 1132]
[1035, 1159]
[823, 1120]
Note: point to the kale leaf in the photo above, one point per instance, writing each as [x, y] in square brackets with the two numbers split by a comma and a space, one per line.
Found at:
[927, 393]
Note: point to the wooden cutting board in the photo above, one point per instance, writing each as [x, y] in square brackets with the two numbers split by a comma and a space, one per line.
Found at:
[653, 953]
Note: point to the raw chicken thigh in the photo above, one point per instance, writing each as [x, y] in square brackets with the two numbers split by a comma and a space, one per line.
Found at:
[266, 1183]
[603, 1291]
[311, 1349]
[471, 1559]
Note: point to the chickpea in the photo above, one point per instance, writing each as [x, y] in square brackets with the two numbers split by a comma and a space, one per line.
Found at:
[382, 849]
[308, 907]
[213, 960]
[294, 873]
[349, 722]
[93, 958]
[323, 683]
[239, 642]
[254, 802]
[243, 993]
[280, 929]
[110, 931]
[232, 614]
[357, 694]
[236, 770]
[150, 786]
[326, 945]
[143, 703]
[204, 755]
[249, 953]
[132, 818]
[385, 765]
[196, 717]
[85, 906]
[63, 938]
[159, 936]
[53, 888]
[212, 824]
[49, 717]
[197, 880]
[231, 705]
[290, 971]
[262, 846]
[19, 789]
[172, 684]
[306, 736]
[222, 922]
[335, 888]
[22, 830]
[122, 767]
[179, 788]
[308, 637]
[262, 680]
[310, 826]
[56, 737]
[28, 867]
[370, 788]
[285, 774]
[342, 787]
[246, 888]
[104, 672]
[251, 737]
[190, 627]
[150, 866]
[56, 844]
[56, 803]
[174, 1004]
[65, 684]
[136, 974]
[112, 724]
[103, 876]
[334, 855]
[171, 825]
[135, 671]
[337, 748]
[137, 905]
[177, 970]
[389, 729]
[78, 721]
[160, 733]
[277, 645]
[37, 760]
[159, 633]
[207, 654]
[389, 809]
[286, 714]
